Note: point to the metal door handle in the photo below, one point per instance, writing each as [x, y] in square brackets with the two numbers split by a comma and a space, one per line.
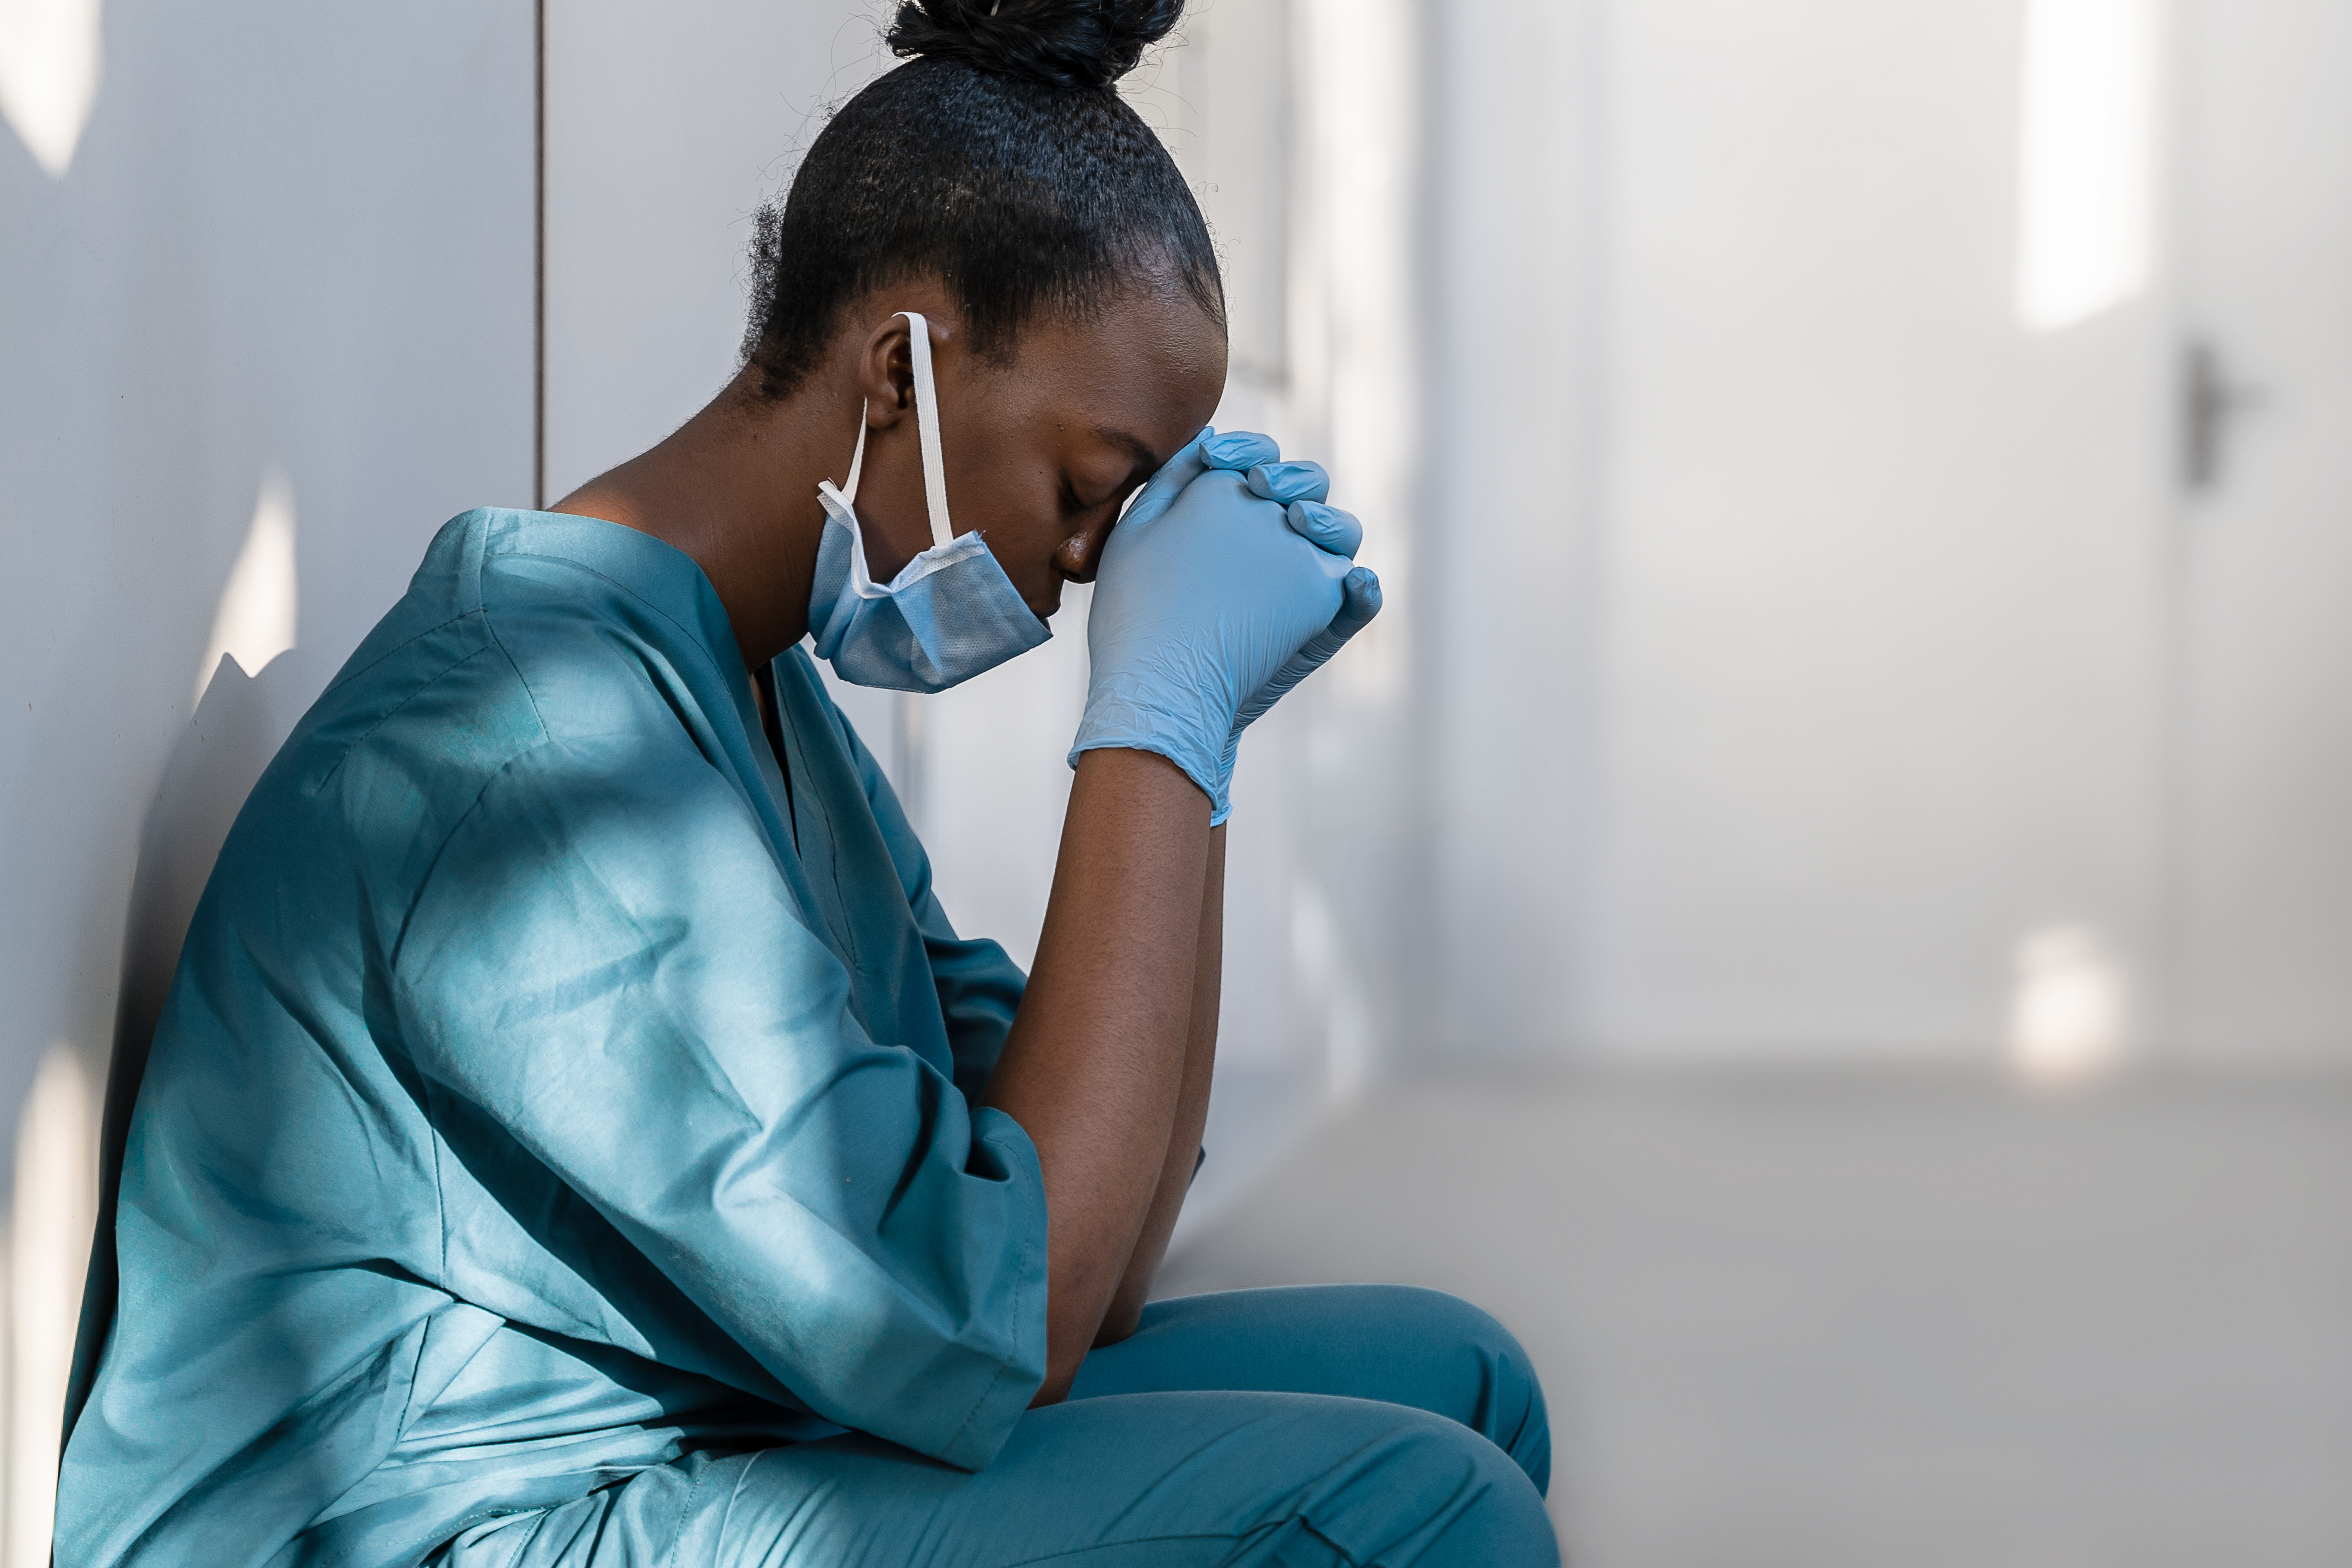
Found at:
[2209, 401]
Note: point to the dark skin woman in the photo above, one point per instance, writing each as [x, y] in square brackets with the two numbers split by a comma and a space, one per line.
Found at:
[578, 1135]
[1107, 1067]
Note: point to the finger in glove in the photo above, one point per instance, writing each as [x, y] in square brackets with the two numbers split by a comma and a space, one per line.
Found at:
[1359, 601]
[1326, 527]
[1239, 449]
[1287, 482]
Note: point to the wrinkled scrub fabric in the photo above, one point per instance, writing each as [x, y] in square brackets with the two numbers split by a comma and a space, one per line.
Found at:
[551, 1088]
[1321, 1427]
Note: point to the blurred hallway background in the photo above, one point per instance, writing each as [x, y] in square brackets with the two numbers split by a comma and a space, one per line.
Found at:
[1832, 1319]
[1825, 899]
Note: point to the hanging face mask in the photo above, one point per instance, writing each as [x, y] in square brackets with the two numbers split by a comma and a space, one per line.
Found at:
[949, 615]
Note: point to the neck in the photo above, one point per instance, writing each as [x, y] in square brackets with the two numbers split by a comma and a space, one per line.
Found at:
[735, 488]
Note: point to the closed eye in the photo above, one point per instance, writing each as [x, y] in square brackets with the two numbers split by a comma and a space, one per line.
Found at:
[1076, 505]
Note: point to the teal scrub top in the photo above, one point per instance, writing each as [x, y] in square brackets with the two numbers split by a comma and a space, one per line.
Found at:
[551, 1087]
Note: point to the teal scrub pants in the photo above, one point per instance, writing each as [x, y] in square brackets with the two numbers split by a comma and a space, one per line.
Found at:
[1338, 1424]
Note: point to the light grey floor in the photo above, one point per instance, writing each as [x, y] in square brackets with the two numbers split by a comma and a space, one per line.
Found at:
[1893, 1321]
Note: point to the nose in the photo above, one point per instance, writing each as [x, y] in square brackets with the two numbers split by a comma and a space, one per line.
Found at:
[1080, 556]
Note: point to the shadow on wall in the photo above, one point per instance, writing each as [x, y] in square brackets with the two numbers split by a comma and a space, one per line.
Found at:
[212, 768]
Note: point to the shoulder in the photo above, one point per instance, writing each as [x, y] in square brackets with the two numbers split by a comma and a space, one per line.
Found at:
[608, 628]
[522, 632]
[523, 628]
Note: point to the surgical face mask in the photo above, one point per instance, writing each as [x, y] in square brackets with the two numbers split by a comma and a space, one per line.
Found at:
[949, 615]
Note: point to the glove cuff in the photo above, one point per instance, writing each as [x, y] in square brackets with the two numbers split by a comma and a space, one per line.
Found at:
[1115, 720]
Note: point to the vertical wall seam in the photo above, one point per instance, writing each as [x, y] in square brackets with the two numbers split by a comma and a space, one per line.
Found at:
[539, 257]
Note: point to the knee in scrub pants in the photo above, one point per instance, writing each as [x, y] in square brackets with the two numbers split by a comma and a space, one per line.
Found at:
[1422, 1489]
[1200, 1480]
[1396, 1343]
[1507, 1401]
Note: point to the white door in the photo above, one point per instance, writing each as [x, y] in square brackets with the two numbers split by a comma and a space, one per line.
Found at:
[2263, 811]
[1883, 569]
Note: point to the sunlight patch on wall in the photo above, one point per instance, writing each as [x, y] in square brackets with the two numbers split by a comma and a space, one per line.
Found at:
[255, 622]
[1356, 364]
[2067, 1014]
[49, 1231]
[49, 57]
[2087, 171]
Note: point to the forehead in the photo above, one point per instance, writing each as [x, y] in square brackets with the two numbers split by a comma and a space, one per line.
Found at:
[1149, 361]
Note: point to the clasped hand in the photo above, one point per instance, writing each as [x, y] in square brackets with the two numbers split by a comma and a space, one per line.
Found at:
[1227, 582]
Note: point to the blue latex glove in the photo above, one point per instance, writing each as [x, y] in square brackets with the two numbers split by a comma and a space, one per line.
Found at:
[1237, 450]
[1302, 486]
[1216, 596]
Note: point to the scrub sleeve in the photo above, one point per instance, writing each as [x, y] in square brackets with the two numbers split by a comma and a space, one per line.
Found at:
[553, 1086]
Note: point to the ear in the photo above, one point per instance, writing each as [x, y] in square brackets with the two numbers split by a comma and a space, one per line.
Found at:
[885, 374]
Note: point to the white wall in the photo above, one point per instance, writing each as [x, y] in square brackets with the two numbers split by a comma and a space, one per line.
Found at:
[667, 128]
[290, 238]
[1512, 506]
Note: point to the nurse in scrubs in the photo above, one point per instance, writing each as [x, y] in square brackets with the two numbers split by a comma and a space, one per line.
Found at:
[577, 1134]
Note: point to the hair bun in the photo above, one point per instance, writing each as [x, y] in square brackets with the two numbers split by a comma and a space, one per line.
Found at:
[1062, 43]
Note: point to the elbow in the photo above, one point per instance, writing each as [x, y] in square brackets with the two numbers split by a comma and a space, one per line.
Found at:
[1065, 1348]
[1067, 1352]
[1062, 1368]
[1071, 1334]
[1056, 1386]
[1123, 1318]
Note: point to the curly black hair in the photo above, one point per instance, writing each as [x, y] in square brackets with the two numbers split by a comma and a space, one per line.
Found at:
[999, 159]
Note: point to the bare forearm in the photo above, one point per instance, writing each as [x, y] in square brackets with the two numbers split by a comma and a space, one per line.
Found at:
[1097, 1063]
[1192, 1107]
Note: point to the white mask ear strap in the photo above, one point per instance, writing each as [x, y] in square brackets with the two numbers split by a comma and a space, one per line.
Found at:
[927, 432]
[927, 429]
[856, 459]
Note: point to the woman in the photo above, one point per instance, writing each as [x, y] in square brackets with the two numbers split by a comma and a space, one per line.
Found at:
[578, 1136]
